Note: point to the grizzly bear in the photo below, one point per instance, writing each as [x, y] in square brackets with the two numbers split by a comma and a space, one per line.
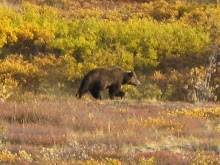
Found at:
[110, 78]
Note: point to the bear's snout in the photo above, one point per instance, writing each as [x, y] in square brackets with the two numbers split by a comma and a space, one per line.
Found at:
[138, 82]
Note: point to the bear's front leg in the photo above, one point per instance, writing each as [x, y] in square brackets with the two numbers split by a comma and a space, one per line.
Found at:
[113, 90]
[120, 94]
[96, 93]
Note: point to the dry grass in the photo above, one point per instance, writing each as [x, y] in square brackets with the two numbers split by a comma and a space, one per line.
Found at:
[129, 132]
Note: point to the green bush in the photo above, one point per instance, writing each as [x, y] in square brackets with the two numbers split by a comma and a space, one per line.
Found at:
[158, 36]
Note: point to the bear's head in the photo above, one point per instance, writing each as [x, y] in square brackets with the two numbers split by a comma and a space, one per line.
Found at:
[131, 78]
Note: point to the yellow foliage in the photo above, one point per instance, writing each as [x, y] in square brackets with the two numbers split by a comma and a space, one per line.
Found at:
[156, 123]
[197, 112]
[15, 69]
[32, 31]
[91, 115]
[46, 61]
[23, 155]
[120, 110]
[149, 161]
[140, 36]
[102, 161]
[203, 159]
[7, 157]
[7, 33]
[70, 69]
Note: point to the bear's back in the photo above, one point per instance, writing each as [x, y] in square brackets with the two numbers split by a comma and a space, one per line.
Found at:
[105, 75]
[110, 71]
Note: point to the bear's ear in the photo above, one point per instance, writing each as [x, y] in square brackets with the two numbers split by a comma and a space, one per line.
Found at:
[130, 73]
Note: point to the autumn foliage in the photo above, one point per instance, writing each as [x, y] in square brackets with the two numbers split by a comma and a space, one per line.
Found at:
[66, 131]
[47, 46]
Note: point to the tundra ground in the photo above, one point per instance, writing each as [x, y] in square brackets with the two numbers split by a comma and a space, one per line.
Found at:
[70, 131]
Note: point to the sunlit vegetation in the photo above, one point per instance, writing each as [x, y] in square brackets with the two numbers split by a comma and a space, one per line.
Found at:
[67, 131]
[52, 44]
[46, 46]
